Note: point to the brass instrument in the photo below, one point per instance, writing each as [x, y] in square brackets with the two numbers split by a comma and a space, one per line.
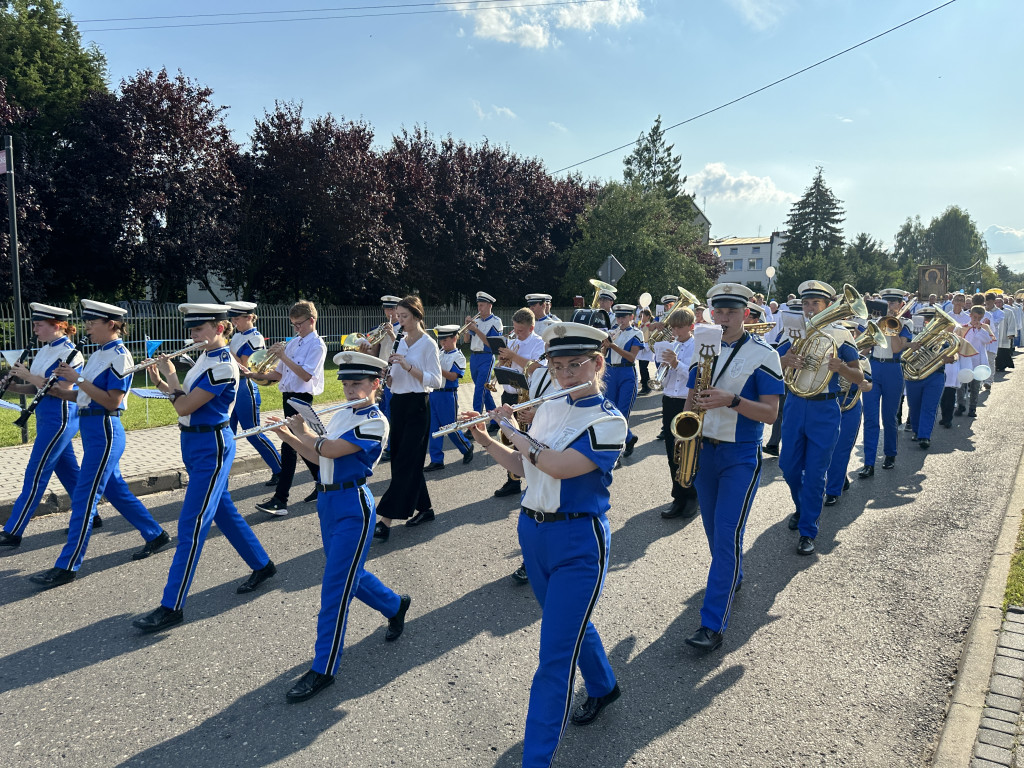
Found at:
[354, 341]
[331, 409]
[262, 362]
[665, 333]
[758, 329]
[183, 351]
[599, 285]
[873, 336]
[815, 348]
[691, 298]
[459, 426]
[465, 328]
[938, 341]
[658, 379]
[687, 427]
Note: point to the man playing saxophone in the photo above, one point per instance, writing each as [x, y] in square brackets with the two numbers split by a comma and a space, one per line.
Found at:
[745, 384]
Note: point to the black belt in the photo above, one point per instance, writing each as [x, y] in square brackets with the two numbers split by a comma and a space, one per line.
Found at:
[99, 412]
[552, 517]
[713, 441]
[620, 365]
[884, 359]
[823, 396]
[483, 352]
[341, 486]
[203, 427]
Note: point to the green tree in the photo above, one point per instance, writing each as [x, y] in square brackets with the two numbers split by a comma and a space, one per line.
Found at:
[652, 165]
[910, 248]
[814, 248]
[659, 250]
[954, 239]
[871, 267]
[48, 71]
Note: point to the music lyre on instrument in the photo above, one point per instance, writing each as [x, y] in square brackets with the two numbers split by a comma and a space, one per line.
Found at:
[310, 416]
[458, 426]
[183, 351]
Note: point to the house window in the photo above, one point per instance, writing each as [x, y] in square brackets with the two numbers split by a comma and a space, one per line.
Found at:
[754, 265]
[733, 265]
[733, 251]
[756, 249]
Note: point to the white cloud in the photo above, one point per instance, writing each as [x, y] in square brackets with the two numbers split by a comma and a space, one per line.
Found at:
[761, 14]
[715, 181]
[842, 119]
[461, 32]
[1004, 239]
[558, 127]
[532, 27]
[494, 111]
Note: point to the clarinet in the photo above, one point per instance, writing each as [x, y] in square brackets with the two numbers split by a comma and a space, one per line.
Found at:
[8, 378]
[51, 380]
[394, 349]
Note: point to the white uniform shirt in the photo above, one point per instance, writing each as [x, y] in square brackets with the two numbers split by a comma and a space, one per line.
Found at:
[979, 339]
[621, 339]
[674, 384]
[52, 354]
[541, 325]
[115, 357]
[1009, 329]
[251, 340]
[450, 360]
[489, 326]
[531, 348]
[423, 355]
[996, 324]
[308, 352]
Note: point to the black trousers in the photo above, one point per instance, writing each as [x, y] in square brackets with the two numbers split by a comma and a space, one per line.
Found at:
[947, 403]
[670, 407]
[289, 456]
[645, 373]
[410, 430]
[509, 399]
[776, 435]
[1004, 358]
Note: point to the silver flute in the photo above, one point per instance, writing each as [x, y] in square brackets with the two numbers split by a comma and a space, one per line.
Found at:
[458, 426]
[152, 361]
[277, 424]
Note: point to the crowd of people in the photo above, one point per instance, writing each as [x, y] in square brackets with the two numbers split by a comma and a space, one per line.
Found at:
[814, 370]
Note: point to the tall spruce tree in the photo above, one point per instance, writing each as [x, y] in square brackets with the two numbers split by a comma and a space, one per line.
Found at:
[814, 249]
[652, 166]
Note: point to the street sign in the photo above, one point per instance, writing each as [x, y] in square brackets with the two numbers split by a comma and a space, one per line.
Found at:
[611, 271]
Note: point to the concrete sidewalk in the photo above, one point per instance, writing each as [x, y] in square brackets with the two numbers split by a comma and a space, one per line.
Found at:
[151, 463]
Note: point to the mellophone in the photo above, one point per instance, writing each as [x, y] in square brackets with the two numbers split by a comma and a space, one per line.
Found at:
[307, 413]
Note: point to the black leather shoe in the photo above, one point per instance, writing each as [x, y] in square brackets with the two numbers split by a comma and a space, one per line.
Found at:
[644, 391]
[771, 450]
[312, 497]
[97, 522]
[947, 424]
[960, 410]
[806, 546]
[676, 510]
[889, 463]
[272, 482]
[588, 711]
[510, 488]
[868, 470]
[468, 455]
[972, 413]
[846, 484]
[161, 618]
[396, 624]
[420, 517]
[831, 501]
[153, 546]
[704, 639]
[381, 531]
[630, 445]
[55, 577]
[385, 456]
[794, 521]
[9, 540]
[925, 443]
[308, 686]
[433, 467]
[256, 578]
[519, 575]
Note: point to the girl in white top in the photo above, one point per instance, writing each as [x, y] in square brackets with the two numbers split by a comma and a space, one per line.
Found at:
[415, 370]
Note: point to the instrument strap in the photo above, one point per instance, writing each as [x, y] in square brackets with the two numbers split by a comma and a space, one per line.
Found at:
[740, 343]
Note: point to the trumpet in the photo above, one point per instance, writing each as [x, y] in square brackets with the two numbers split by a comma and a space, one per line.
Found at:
[465, 328]
[458, 426]
[758, 329]
[276, 425]
[183, 351]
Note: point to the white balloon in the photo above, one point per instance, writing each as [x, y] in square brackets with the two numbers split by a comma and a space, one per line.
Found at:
[965, 376]
[982, 372]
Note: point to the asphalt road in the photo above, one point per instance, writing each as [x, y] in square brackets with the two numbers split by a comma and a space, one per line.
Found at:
[845, 658]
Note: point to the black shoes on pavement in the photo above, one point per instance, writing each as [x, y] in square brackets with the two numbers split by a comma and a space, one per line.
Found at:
[308, 686]
[630, 445]
[889, 463]
[830, 500]
[868, 470]
[685, 509]
[420, 517]
[510, 488]
[925, 443]
[468, 455]
[519, 575]
[273, 506]
[153, 546]
[55, 577]
[256, 578]
[396, 624]
[794, 521]
[433, 466]
[161, 618]
[588, 711]
[272, 482]
[381, 531]
[771, 450]
[9, 540]
[705, 639]
[806, 546]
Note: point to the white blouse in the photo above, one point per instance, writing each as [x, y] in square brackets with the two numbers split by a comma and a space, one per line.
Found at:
[423, 355]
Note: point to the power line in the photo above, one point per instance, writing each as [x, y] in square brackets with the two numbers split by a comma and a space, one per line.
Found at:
[764, 87]
[545, 4]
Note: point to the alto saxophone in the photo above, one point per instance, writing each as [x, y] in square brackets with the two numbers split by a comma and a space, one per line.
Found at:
[688, 426]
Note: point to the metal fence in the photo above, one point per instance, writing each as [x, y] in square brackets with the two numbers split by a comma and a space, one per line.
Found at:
[161, 320]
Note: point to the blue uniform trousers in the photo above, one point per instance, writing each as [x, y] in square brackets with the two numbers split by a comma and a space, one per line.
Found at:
[208, 457]
[923, 403]
[849, 425]
[620, 385]
[443, 405]
[479, 367]
[385, 408]
[726, 483]
[102, 446]
[347, 518]
[810, 430]
[885, 394]
[247, 414]
[56, 425]
[566, 562]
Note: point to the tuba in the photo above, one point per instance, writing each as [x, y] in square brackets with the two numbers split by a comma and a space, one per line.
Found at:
[873, 336]
[938, 342]
[818, 345]
[599, 285]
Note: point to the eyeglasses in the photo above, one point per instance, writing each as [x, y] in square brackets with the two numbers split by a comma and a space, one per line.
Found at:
[302, 323]
[571, 367]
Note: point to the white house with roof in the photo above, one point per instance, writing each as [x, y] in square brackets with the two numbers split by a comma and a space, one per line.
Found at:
[747, 258]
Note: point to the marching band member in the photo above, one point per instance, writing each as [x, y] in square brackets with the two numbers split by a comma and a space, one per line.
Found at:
[923, 396]
[886, 390]
[646, 355]
[347, 455]
[300, 375]
[564, 532]
[676, 355]
[415, 371]
[810, 426]
[524, 347]
[539, 304]
[244, 341]
[746, 382]
[668, 301]
[444, 401]
[621, 348]
[547, 309]
[481, 358]
[56, 418]
[102, 387]
[203, 403]
[383, 349]
[836, 480]
[775, 337]
[605, 300]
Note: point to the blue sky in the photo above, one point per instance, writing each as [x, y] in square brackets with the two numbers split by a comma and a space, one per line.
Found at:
[928, 116]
